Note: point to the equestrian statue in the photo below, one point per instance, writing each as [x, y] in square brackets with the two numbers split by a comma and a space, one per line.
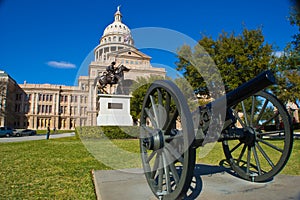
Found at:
[113, 75]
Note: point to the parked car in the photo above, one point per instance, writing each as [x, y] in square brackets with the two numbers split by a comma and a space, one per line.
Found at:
[6, 131]
[16, 133]
[24, 132]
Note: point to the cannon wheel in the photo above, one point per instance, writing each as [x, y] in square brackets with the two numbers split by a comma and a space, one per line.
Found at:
[166, 135]
[267, 144]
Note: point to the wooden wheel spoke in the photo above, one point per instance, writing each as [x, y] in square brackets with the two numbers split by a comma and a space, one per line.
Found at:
[270, 119]
[236, 146]
[167, 172]
[155, 166]
[168, 102]
[245, 113]
[172, 151]
[241, 154]
[270, 145]
[153, 153]
[160, 173]
[174, 173]
[262, 111]
[168, 110]
[155, 110]
[252, 111]
[151, 117]
[248, 160]
[239, 119]
[160, 98]
[147, 131]
[258, 167]
[172, 121]
[179, 136]
[265, 155]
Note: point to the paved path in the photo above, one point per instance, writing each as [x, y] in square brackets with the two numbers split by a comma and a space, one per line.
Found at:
[212, 183]
[35, 137]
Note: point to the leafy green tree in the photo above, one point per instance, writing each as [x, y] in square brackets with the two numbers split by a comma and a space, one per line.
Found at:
[138, 92]
[287, 65]
[238, 58]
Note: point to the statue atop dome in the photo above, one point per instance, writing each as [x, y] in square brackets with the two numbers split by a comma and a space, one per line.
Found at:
[118, 15]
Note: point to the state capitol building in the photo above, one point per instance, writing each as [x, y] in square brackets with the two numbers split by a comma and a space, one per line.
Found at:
[35, 106]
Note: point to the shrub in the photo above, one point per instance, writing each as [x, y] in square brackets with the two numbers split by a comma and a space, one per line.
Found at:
[111, 132]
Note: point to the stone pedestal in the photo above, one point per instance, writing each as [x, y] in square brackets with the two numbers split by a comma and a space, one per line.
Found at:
[114, 110]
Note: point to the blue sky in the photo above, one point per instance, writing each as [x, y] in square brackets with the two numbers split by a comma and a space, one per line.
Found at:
[46, 41]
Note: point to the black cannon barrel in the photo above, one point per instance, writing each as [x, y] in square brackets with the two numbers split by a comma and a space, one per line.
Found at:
[247, 89]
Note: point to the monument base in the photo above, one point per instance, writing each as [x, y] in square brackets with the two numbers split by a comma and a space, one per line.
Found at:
[114, 110]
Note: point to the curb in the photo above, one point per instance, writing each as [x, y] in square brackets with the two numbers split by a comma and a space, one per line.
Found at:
[97, 189]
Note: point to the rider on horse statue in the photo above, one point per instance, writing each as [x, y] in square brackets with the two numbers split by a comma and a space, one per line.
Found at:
[113, 75]
[111, 71]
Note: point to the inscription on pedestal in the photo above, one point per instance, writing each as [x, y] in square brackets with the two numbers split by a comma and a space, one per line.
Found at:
[115, 106]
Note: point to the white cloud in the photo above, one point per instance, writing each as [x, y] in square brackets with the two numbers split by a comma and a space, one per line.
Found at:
[278, 53]
[61, 64]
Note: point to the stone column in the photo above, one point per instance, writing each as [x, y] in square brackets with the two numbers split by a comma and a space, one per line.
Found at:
[34, 122]
[30, 120]
[53, 105]
[57, 103]
[36, 103]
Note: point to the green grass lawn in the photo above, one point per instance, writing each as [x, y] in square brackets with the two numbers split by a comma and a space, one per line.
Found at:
[61, 168]
[53, 169]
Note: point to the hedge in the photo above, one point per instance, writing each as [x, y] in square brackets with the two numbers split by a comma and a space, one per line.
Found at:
[111, 132]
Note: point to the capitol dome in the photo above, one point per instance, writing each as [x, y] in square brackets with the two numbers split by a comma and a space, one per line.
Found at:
[117, 32]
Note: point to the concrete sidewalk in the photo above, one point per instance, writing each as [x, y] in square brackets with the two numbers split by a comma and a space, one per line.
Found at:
[212, 183]
[35, 137]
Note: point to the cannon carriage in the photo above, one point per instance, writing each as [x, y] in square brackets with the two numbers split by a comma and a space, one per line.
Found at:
[170, 134]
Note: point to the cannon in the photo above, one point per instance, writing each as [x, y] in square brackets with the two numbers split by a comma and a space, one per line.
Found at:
[255, 131]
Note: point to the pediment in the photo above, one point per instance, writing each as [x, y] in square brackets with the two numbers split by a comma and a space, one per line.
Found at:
[130, 53]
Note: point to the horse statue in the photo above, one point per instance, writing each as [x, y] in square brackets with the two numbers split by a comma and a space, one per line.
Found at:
[111, 79]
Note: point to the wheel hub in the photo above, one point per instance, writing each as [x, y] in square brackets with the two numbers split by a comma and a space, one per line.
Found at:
[154, 142]
[249, 136]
